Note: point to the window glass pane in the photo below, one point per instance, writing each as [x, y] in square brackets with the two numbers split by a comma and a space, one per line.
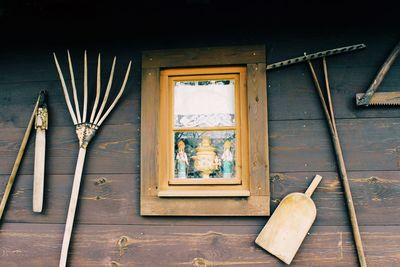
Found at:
[210, 154]
[204, 103]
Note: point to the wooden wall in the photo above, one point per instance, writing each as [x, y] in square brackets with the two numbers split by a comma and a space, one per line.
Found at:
[108, 228]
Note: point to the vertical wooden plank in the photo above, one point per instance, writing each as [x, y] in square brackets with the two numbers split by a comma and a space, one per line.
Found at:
[149, 132]
[258, 129]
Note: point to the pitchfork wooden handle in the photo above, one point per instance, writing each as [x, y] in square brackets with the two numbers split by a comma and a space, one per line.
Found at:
[72, 207]
[313, 185]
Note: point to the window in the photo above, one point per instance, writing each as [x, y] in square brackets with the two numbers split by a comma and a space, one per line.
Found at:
[204, 132]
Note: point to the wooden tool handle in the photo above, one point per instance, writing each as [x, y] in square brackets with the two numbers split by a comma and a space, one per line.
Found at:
[365, 100]
[349, 201]
[18, 160]
[38, 173]
[72, 207]
[313, 185]
[341, 164]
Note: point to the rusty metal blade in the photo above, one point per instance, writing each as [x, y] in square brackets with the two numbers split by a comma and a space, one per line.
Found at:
[382, 98]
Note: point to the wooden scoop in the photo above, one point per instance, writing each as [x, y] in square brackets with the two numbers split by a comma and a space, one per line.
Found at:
[289, 225]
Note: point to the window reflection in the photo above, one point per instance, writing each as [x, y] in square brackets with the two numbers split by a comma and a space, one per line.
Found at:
[204, 103]
[208, 154]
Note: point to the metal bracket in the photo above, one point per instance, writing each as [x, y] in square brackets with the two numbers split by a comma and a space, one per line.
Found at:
[85, 133]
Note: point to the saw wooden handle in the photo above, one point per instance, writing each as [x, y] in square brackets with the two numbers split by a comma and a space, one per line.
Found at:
[366, 98]
[72, 207]
[310, 190]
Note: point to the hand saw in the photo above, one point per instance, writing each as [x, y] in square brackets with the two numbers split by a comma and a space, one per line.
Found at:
[385, 98]
[41, 124]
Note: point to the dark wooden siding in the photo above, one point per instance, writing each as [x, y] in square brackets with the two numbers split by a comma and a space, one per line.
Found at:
[108, 229]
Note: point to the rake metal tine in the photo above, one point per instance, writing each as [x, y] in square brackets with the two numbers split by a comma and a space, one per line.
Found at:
[85, 88]
[67, 100]
[98, 85]
[71, 70]
[121, 91]
[107, 92]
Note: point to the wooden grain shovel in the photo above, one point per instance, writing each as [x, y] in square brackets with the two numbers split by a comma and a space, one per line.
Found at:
[289, 225]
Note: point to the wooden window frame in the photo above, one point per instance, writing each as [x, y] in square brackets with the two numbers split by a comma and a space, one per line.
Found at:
[170, 187]
[159, 197]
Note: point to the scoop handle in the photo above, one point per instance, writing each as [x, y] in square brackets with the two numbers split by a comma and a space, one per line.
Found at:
[313, 185]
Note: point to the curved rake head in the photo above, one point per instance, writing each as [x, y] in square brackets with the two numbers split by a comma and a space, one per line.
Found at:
[85, 130]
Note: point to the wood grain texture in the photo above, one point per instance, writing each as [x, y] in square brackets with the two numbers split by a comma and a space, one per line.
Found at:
[204, 56]
[18, 160]
[299, 147]
[150, 133]
[114, 199]
[290, 91]
[18, 97]
[258, 130]
[39, 165]
[116, 149]
[128, 245]
[368, 144]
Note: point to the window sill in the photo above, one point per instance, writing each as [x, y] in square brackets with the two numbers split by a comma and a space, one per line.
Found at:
[204, 193]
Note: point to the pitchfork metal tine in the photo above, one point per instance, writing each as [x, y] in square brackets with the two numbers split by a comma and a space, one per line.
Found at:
[98, 86]
[66, 96]
[71, 71]
[103, 104]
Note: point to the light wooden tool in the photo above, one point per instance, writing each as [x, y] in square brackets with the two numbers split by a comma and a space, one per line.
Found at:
[41, 125]
[85, 131]
[289, 225]
[18, 160]
[327, 106]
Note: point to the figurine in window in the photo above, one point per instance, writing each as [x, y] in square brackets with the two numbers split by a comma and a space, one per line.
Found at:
[217, 162]
[227, 160]
[182, 160]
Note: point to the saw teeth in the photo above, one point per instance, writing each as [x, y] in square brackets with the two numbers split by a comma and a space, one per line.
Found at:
[384, 104]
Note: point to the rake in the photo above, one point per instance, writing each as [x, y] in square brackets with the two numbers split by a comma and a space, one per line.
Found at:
[85, 130]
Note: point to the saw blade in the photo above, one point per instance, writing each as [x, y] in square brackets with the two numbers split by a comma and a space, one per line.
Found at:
[382, 98]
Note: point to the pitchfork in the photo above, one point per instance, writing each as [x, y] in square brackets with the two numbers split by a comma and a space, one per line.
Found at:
[84, 130]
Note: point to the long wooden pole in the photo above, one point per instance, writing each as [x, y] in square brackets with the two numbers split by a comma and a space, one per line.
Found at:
[72, 207]
[342, 167]
[18, 160]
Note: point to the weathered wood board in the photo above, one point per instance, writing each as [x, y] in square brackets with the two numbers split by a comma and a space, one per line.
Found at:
[135, 245]
[299, 147]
